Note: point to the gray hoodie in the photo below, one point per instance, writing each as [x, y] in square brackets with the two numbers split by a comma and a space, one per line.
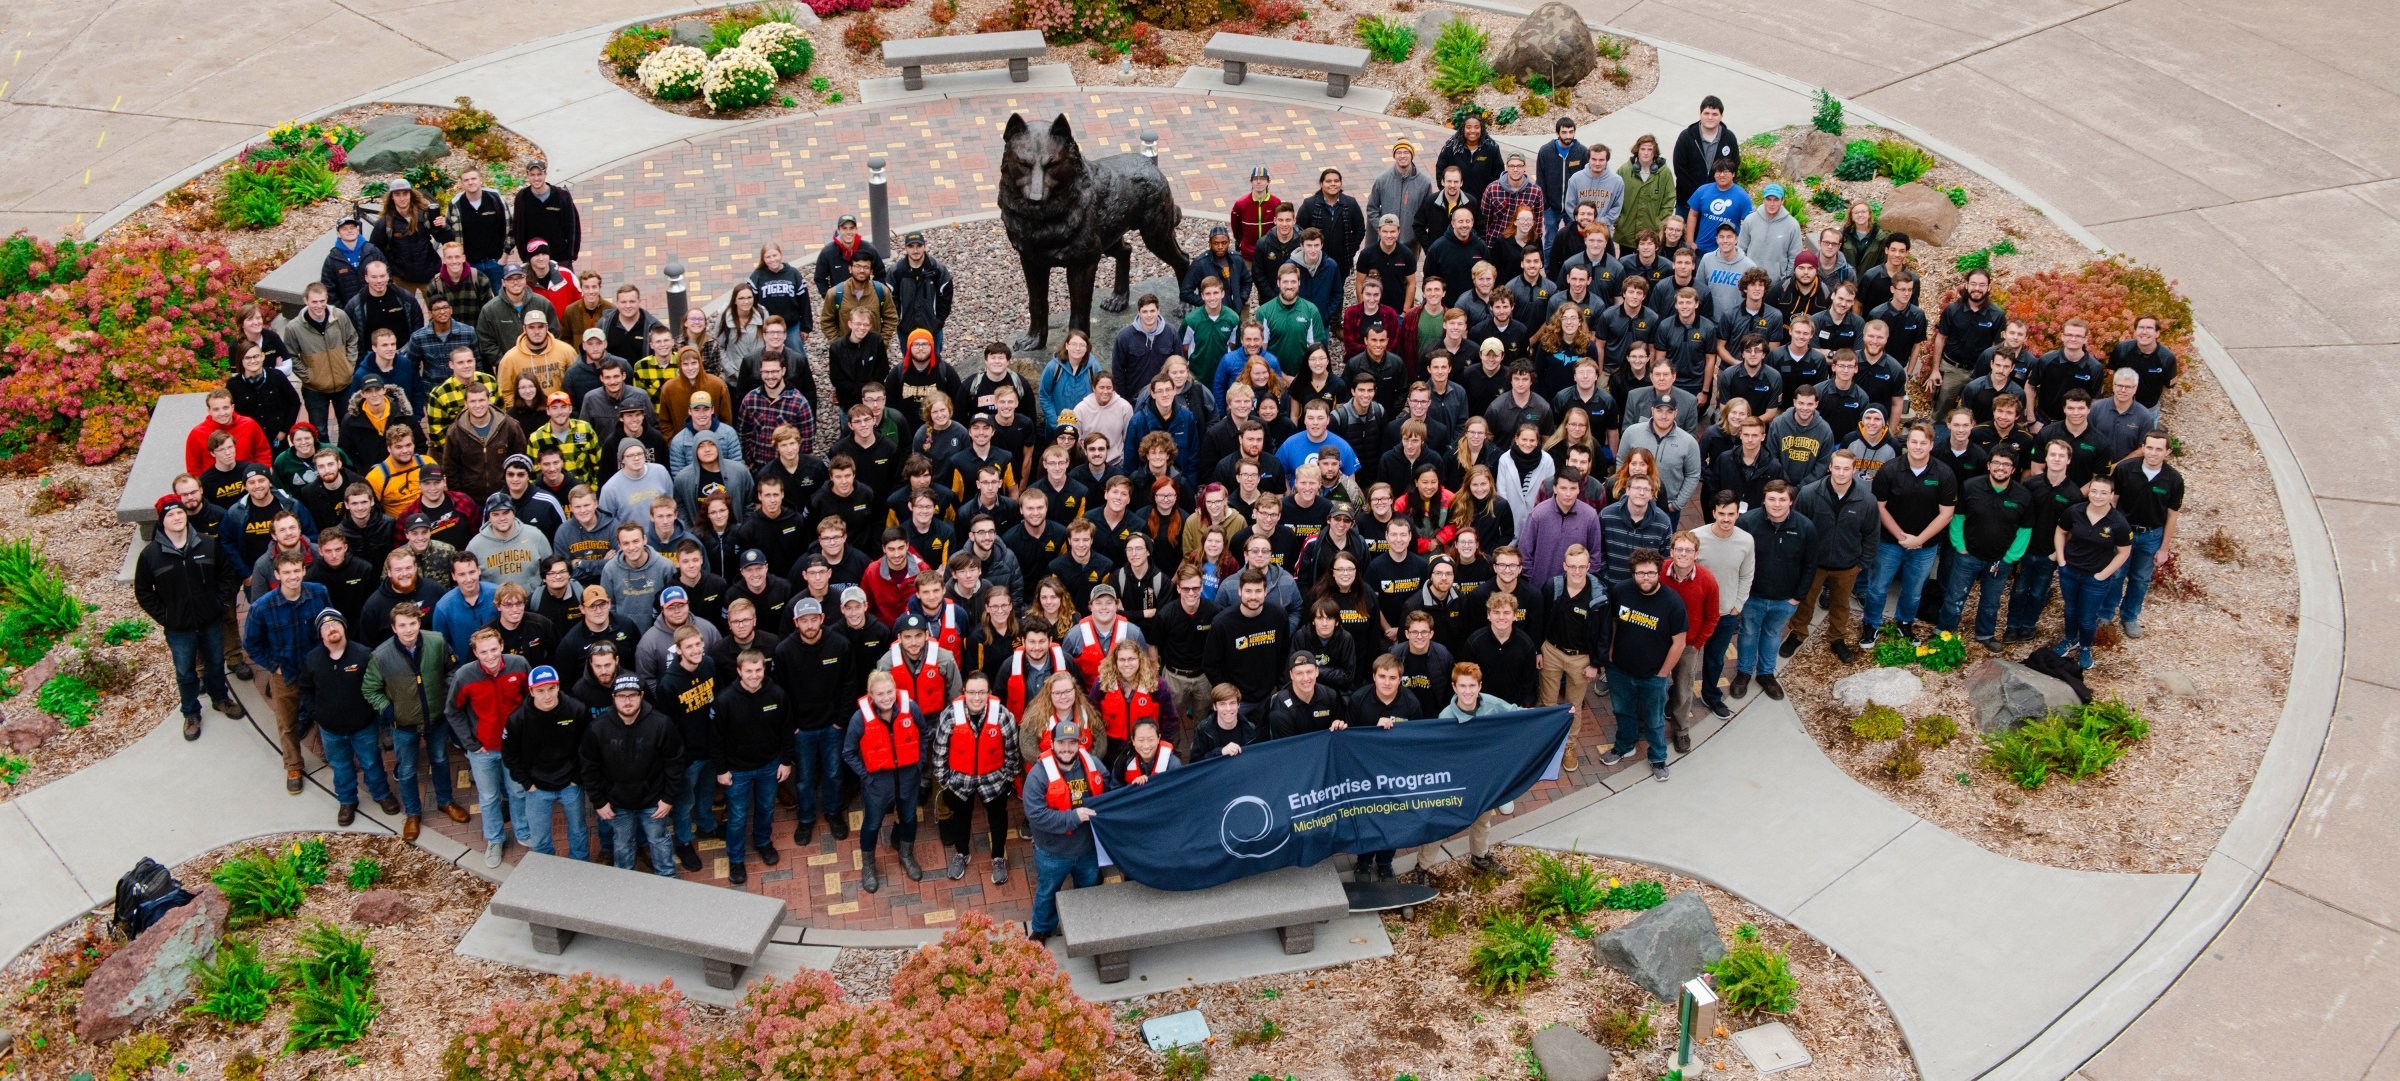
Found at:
[1772, 240]
[1397, 193]
[1606, 190]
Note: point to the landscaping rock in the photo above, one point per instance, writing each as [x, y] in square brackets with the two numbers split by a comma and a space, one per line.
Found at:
[388, 120]
[1568, 1055]
[396, 148]
[1922, 211]
[2006, 694]
[151, 975]
[1810, 153]
[26, 729]
[693, 32]
[1663, 947]
[2174, 684]
[1894, 687]
[1430, 24]
[1554, 43]
[381, 908]
[805, 16]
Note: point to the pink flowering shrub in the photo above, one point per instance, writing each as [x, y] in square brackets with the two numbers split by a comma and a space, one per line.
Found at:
[829, 8]
[82, 361]
[2108, 294]
[590, 1027]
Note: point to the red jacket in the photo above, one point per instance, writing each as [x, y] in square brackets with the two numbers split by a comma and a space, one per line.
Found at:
[1699, 593]
[888, 594]
[249, 444]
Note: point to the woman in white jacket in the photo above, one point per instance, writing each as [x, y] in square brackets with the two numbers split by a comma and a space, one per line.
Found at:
[1524, 471]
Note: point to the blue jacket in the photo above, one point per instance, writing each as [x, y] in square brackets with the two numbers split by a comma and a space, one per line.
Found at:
[281, 631]
[457, 621]
[1182, 427]
[1230, 365]
[1060, 388]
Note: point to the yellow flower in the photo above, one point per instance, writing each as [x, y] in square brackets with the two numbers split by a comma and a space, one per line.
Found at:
[1612, 882]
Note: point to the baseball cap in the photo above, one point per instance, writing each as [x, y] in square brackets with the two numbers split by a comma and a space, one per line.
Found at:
[853, 595]
[702, 399]
[1066, 732]
[1517, 156]
[910, 622]
[497, 502]
[912, 240]
[536, 316]
[752, 557]
[595, 334]
[537, 163]
[1344, 510]
[1667, 404]
[984, 419]
[559, 397]
[347, 219]
[627, 683]
[371, 381]
[1300, 658]
[400, 184]
[416, 520]
[673, 595]
[630, 405]
[1103, 590]
[430, 471]
[512, 270]
[1388, 219]
[595, 592]
[1259, 172]
[813, 560]
[806, 606]
[1771, 191]
[847, 219]
[544, 676]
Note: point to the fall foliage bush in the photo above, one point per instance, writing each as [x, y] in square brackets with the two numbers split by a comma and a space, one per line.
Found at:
[589, 1026]
[2107, 293]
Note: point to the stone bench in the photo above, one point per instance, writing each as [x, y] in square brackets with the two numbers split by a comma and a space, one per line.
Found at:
[1109, 922]
[912, 55]
[727, 929]
[160, 459]
[1340, 63]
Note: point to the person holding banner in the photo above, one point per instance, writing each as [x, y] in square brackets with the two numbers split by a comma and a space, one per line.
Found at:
[1304, 705]
[1382, 703]
[1467, 702]
[1649, 623]
[884, 745]
[1144, 756]
[975, 760]
[1055, 789]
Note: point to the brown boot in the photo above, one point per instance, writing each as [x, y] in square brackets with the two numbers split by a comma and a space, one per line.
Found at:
[1569, 764]
[456, 812]
[410, 826]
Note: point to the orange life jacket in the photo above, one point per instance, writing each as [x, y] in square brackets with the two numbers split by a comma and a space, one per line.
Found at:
[976, 749]
[887, 747]
[1057, 793]
[1096, 649]
[1135, 767]
[1122, 708]
[923, 682]
[1013, 688]
[946, 632]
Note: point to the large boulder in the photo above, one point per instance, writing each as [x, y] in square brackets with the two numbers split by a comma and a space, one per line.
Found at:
[381, 908]
[1430, 23]
[1894, 687]
[1810, 153]
[1664, 947]
[150, 976]
[371, 125]
[396, 148]
[1568, 1055]
[1553, 43]
[1922, 211]
[26, 729]
[693, 32]
[2006, 694]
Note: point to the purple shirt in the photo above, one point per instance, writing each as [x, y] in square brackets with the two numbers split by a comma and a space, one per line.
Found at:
[1545, 535]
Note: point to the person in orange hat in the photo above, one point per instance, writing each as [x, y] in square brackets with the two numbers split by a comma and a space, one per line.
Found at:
[920, 375]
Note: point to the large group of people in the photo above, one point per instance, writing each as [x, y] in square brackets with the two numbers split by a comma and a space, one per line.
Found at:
[1546, 428]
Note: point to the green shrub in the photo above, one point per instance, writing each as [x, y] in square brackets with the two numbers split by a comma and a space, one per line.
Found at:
[1858, 161]
[131, 629]
[70, 698]
[738, 79]
[1903, 161]
[1539, 83]
[310, 859]
[1626, 1029]
[364, 873]
[1634, 896]
[1459, 65]
[1879, 722]
[1415, 105]
[329, 955]
[1610, 47]
[1754, 979]
[632, 45]
[1957, 194]
[13, 766]
[787, 47]
[499, 177]
[1184, 1064]
[256, 208]
[1751, 168]
[1764, 140]
[260, 885]
[1507, 115]
[1829, 200]
[465, 121]
[331, 1015]
[1981, 258]
[2076, 743]
[135, 1056]
[236, 986]
[1511, 954]
[1533, 105]
[1561, 889]
[1388, 40]
[1828, 118]
[1936, 730]
[28, 264]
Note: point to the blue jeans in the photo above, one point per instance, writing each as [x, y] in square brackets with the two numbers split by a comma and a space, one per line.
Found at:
[1910, 568]
[199, 665]
[636, 827]
[1640, 703]
[358, 753]
[817, 773]
[2030, 593]
[319, 406]
[541, 805]
[1968, 572]
[1763, 622]
[2138, 569]
[1049, 872]
[692, 814]
[2088, 602]
[1712, 658]
[501, 801]
[435, 738]
[749, 812]
[1937, 584]
[491, 273]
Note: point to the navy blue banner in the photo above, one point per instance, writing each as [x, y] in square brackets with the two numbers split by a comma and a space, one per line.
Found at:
[1297, 801]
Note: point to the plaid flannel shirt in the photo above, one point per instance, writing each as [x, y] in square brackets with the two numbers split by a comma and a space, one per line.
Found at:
[449, 401]
[580, 448]
[761, 415]
[1500, 210]
[652, 373]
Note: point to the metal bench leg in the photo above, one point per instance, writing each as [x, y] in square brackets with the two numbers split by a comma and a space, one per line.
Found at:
[1114, 967]
[1235, 71]
[1337, 85]
[723, 975]
[1020, 69]
[912, 77]
[551, 940]
[1298, 939]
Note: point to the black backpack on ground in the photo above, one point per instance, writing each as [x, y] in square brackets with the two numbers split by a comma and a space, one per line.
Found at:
[2063, 669]
[143, 895]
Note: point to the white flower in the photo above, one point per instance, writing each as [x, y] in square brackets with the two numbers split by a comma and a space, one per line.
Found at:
[786, 46]
[737, 79]
[673, 73]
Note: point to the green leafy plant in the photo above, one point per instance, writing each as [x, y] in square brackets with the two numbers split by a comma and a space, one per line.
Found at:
[260, 885]
[236, 986]
[13, 767]
[429, 178]
[331, 1015]
[1618, 75]
[27, 264]
[1507, 115]
[1560, 889]
[2077, 743]
[1894, 649]
[1184, 1064]
[329, 955]
[1388, 40]
[1506, 84]
[1828, 117]
[129, 629]
[1538, 83]
[70, 698]
[1533, 105]
[1858, 161]
[1903, 161]
[374, 189]
[787, 101]
[1639, 896]
[1268, 1031]
[1459, 65]
[629, 47]
[136, 1055]
[310, 859]
[364, 873]
[501, 178]
[1752, 978]
[257, 208]
[1610, 46]
[1762, 141]
[1981, 258]
[1936, 730]
[1415, 105]
[1878, 722]
[1904, 763]
[1829, 200]
[1626, 1028]
[1957, 194]
[465, 121]
[1752, 168]
[1511, 954]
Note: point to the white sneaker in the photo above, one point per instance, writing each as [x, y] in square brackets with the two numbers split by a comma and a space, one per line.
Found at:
[491, 853]
[1509, 808]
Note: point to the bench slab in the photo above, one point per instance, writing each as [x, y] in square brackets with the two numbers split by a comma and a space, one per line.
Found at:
[560, 898]
[1111, 921]
[160, 458]
[1340, 63]
[961, 48]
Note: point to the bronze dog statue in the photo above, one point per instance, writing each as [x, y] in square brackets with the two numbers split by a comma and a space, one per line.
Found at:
[1063, 211]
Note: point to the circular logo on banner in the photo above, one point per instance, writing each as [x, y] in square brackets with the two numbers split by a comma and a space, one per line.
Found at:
[1248, 826]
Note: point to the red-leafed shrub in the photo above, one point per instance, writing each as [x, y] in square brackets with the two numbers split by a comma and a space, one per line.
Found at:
[1273, 14]
[2106, 293]
[864, 35]
[590, 1026]
[828, 8]
[83, 360]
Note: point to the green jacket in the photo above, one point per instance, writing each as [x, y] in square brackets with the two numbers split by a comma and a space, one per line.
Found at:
[392, 683]
[1291, 329]
[1647, 202]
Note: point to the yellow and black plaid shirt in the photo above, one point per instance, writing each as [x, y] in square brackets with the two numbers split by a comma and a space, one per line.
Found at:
[579, 448]
[651, 374]
[449, 401]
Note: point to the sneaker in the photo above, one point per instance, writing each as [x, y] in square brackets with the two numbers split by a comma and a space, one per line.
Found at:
[491, 853]
[768, 855]
[958, 866]
[1771, 687]
[1612, 757]
[999, 870]
[688, 855]
[191, 727]
[1486, 865]
[735, 874]
[2133, 628]
[1791, 645]
[1841, 652]
[1740, 687]
[1509, 808]
[1658, 771]
[1724, 712]
[1913, 631]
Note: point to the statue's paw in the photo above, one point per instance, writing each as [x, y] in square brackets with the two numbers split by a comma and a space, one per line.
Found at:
[1113, 303]
[1028, 343]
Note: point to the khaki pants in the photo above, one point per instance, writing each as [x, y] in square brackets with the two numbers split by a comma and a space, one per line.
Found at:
[1562, 681]
[1479, 843]
[1681, 701]
[1837, 610]
[285, 699]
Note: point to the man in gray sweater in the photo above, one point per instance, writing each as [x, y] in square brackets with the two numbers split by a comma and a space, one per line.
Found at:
[1771, 238]
[1401, 191]
[1677, 454]
[510, 550]
[635, 575]
[1597, 185]
[1800, 439]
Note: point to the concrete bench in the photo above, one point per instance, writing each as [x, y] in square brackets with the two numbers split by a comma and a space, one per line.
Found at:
[727, 929]
[1109, 922]
[160, 458]
[287, 284]
[1340, 63]
[912, 55]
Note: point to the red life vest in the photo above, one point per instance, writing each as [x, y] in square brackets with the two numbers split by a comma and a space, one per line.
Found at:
[1013, 688]
[946, 633]
[922, 683]
[1122, 708]
[1135, 767]
[976, 750]
[888, 747]
[1095, 649]
[1057, 793]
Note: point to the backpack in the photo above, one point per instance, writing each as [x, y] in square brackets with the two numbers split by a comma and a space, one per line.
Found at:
[2063, 669]
[144, 894]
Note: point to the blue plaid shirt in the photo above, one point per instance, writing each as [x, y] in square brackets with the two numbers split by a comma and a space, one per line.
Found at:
[281, 631]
